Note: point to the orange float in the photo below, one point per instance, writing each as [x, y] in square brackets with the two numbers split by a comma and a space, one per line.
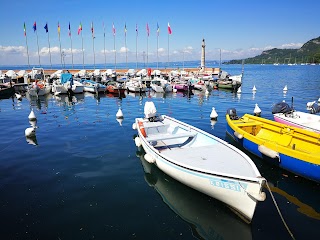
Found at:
[142, 130]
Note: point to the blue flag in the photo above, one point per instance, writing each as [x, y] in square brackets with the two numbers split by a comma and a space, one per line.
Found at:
[34, 26]
[46, 27]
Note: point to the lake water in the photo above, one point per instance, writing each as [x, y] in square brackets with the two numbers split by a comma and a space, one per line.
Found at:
[85, 178]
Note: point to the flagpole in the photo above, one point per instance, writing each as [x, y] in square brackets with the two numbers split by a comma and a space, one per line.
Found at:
[25, 34]
[94, 55]
[114, 46]
[60, 44]
[104, 46]
[82, 50]
[168, 51]
[27, 52]
[38, 48]
[136, 46]
[125, 43]
[147, 44]
[158, 32]
[71, 44]
[49, 48]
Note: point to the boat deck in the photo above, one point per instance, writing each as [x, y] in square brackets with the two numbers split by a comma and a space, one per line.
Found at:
[212, 158]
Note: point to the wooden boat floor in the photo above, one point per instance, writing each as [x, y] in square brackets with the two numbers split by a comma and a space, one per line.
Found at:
[212, 158]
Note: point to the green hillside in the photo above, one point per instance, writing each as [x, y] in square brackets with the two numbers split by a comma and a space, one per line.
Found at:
[308, 53]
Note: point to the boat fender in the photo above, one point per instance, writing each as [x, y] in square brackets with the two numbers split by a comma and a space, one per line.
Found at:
[268, 152]
[238, 135]
[149, 158]
[142, 130]
[137, 141]
[258, 196]
[134, 126]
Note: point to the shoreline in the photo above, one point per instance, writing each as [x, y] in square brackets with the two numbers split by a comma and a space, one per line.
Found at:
[121, 71]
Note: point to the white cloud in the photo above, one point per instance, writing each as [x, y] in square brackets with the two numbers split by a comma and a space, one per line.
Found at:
[123, 49]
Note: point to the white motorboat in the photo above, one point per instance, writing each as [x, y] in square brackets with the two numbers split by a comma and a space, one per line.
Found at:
[200, 161]
[283, 113]
[160, 85]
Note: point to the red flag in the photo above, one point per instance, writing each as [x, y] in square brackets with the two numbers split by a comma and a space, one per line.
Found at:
[92, 29]
[169, 29]
[148, 31]
[80, 28]
[113, 29]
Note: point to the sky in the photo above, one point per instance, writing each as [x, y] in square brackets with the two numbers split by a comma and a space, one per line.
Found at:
[237, 29]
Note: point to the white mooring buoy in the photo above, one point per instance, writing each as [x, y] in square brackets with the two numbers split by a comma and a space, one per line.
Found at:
[32, 116]
[214, 114]
[119, 114]
[254, 89]
[285, 89]
[257, 110]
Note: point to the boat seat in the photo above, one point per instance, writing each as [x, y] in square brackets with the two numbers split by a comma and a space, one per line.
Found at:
[247, 124]
[160, 137]
[154, 125]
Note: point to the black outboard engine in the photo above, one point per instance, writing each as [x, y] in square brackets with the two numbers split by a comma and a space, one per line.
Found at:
[232, 112]
[281, 107]
[314, 108]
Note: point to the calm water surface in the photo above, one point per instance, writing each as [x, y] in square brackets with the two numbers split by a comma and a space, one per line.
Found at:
[85, 178]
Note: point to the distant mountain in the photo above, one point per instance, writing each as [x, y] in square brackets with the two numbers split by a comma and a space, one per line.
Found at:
[308, 53]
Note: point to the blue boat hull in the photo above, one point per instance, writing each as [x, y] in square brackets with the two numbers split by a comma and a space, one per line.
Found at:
[291, 164]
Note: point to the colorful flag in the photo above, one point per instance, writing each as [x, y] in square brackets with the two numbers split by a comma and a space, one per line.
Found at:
[148, 30]
[80, 28]
[158, 29]
[69, 30]
[113, 29]
[46, 27]
[24, 29]
[169, 29]
[59, 29]
[137, 29]
[35, 26]
[125, 29]
[92, 29]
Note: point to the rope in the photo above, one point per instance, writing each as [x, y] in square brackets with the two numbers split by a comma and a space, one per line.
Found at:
[14, 141]
[276, 205]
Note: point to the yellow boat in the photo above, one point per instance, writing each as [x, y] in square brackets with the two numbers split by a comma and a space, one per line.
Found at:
[293, 149]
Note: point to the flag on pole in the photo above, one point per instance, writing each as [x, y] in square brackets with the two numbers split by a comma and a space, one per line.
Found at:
[158, 29]
[113, 29]
[169, 29]
[69, 30]
[125, 29]
[24, 29]
[80, 28]
[46, 27]
[35, 26]
[148, 30]
[92, 30]
[137, 29]
[59, 28]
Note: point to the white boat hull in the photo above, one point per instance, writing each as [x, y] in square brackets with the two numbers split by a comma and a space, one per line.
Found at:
[298, 119]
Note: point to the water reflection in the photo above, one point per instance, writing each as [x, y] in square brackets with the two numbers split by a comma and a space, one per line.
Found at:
[207, 217]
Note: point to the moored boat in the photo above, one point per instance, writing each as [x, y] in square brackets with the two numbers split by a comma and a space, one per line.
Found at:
[200, 161]
[115, 87]
[92, 86]
[283, 113]
[293, 149]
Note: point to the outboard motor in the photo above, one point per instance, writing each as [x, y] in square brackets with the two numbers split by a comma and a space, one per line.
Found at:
[232, 112]
[150, 111]
[281, 107]
[314, 108]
